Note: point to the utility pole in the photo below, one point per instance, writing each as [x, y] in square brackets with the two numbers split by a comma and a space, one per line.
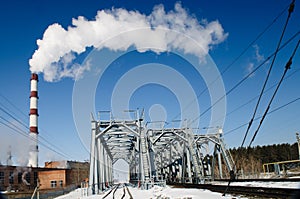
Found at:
[219, 133]
[298, 140]
[38, 189]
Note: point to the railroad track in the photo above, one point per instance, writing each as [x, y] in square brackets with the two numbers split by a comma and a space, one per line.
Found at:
[259, 192]
[262, 180]
[113, 190]
[125, 189]
[117, 188]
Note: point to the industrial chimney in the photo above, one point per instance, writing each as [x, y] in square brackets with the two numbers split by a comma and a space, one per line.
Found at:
[33, 122]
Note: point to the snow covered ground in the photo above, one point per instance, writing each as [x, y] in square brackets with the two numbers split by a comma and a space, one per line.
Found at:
[177, 193]
[155, 193]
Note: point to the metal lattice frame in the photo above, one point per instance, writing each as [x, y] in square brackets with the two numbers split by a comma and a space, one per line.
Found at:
[153, 154]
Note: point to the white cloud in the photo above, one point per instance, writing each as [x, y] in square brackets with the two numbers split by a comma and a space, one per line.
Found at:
[258, 57]
[59, 47]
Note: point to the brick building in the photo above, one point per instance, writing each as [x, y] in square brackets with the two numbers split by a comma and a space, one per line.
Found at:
[53, 178]
[18, 178]
[74, 172]
[56, 174]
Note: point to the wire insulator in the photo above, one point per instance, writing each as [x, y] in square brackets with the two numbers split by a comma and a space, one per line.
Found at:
[292, 6]
[288, 64]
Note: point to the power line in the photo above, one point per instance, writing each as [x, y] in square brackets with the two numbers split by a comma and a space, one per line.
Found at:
[267, 90]
[18, 109]
[15, 126]
[20, 122]
[23, 133]
[245, 78]
[256, 39]
[291, 9]
[238, 57]
[287, 67]
[7, 111]
[27, 128]
[270, 112]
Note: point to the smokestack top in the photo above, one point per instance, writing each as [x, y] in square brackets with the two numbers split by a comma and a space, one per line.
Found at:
[34, 76]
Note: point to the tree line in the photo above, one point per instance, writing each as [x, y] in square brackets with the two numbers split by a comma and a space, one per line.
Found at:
[267, 154]
[249, 161]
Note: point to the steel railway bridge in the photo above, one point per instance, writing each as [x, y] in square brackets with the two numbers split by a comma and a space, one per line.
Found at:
[154, 154]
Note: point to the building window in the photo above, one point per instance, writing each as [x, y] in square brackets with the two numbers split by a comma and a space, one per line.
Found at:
[2, 177]
[11, 177]
[53, 183]
[61, 183]
[19, 177]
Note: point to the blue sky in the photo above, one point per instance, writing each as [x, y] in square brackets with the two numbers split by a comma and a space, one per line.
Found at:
[23, 22]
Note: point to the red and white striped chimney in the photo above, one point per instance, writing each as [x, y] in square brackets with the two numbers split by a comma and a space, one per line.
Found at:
[33, 122]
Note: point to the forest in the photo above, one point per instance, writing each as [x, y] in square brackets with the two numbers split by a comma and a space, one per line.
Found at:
[267, 154]
[249, 161]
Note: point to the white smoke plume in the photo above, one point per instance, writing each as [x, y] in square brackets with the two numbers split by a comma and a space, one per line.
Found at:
[59, 47]
[15, 143]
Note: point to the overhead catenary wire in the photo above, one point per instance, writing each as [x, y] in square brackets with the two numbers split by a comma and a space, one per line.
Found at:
[257, 118]
[270, 112]
[237, 58]
[252, 99]
[290, 10]
[245, 78]
[287, 67]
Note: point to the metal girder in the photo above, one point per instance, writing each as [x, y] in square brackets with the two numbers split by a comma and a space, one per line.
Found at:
[173, 154]
[118, 134]
[164, 132]
[121, 139]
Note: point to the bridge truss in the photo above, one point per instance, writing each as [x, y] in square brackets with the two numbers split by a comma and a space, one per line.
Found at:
[154, 154]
